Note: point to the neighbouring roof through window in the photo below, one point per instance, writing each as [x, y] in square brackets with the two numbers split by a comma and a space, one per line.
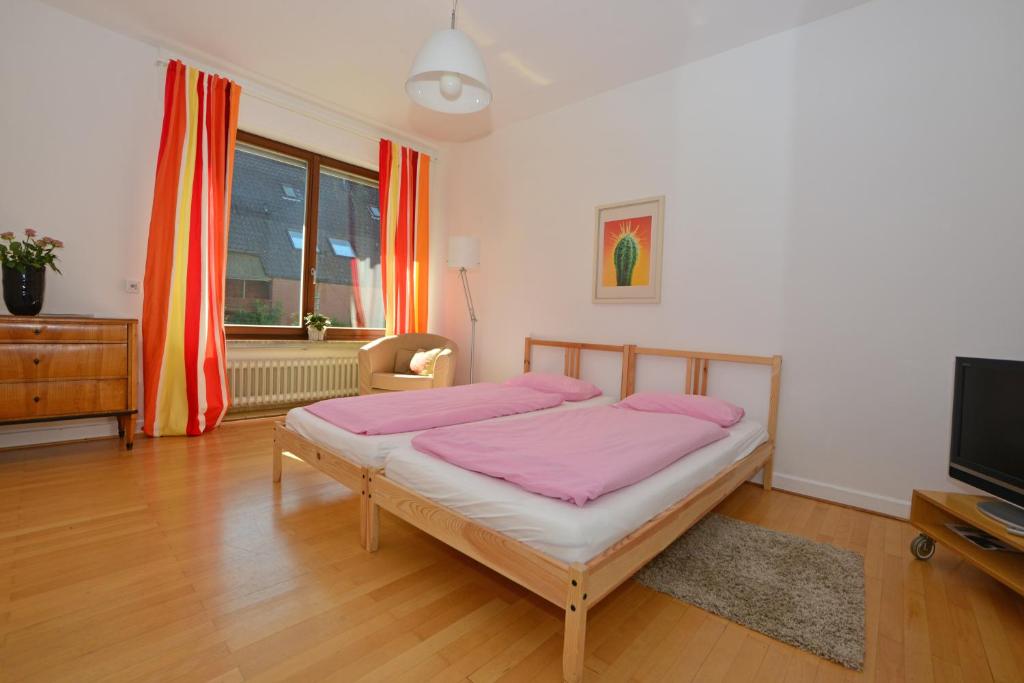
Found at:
[264, 222]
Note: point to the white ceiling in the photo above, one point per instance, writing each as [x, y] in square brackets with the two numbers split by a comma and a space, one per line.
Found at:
[354, 55]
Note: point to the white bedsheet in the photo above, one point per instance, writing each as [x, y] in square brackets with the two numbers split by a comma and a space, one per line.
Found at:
[372, 450]
[565, 531]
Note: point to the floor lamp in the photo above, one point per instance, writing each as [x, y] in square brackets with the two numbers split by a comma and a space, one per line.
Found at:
[464, 253]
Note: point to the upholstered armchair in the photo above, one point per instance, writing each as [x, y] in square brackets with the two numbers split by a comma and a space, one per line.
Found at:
[377, 360]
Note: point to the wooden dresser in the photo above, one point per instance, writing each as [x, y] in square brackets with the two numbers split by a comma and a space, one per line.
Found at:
[60, 368]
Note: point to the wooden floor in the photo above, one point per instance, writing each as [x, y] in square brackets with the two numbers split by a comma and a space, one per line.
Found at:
[181, 561]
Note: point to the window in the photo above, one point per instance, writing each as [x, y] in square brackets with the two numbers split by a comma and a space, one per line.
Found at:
[304, 236]
[342, 248]
[263, 222]
[349, 275]
[247, 289]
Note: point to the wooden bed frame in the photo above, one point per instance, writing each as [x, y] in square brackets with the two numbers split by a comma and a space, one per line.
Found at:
[338, 465]
[332, 462]
[575, 587]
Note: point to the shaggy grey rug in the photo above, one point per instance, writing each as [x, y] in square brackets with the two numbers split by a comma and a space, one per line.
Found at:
[801, 592]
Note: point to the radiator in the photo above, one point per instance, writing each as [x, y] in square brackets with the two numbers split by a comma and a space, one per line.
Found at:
[290, 380]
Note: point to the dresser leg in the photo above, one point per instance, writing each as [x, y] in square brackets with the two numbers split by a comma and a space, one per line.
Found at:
[126, 430]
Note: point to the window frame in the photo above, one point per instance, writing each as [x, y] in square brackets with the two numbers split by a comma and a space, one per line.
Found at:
[313, 162]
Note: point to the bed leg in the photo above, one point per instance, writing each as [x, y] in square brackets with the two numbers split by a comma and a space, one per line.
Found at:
[277, 461]
[575, 625]
[369, 513]
[766, 473]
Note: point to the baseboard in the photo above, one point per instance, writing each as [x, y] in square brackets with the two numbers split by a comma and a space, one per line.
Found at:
[39, 433]
[893, 507]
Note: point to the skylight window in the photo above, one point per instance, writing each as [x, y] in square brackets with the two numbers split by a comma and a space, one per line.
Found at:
[375, 213]
[342, 248]
[292, 194]
[296, 238]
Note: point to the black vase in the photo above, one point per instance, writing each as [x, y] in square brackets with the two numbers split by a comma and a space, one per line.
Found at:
[23, 292]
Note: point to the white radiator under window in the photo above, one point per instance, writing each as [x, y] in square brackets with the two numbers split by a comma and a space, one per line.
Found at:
[261, 376]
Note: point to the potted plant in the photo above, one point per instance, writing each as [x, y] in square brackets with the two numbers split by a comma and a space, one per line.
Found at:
[316, 326]
[24, 270]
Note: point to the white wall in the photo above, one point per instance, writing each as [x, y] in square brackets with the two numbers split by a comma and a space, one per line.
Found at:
[847, 194]
[80, 127]
[79, 133]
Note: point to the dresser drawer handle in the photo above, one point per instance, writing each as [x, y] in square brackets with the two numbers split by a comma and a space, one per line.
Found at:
[38, 330]
[36, 399]
[36, 361]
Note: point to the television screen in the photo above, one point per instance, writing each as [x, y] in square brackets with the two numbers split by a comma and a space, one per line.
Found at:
[988, 426]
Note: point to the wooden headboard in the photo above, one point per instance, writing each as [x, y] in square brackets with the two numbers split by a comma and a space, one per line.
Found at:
[572, 356]
[697, 365]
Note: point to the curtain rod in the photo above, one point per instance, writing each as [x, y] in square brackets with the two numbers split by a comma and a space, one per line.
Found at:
[322, 119]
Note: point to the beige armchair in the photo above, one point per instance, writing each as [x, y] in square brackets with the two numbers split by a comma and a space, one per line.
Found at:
[377, 364]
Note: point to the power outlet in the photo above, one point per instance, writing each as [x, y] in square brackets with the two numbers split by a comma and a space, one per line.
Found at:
[132, 286]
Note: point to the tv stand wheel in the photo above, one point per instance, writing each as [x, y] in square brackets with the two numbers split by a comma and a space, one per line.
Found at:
[922, 547]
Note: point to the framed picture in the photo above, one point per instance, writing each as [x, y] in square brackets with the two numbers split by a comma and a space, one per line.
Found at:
[628, 246]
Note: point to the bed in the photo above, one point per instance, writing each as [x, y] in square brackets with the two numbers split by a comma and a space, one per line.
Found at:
[348, 458]
[574, 557]
[558, 528]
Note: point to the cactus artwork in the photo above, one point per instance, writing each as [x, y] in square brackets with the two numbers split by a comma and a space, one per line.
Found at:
[627, 247]
[625, 255]
[628, 252]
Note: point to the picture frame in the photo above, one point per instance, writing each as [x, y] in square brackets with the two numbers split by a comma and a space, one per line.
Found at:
[628, 247]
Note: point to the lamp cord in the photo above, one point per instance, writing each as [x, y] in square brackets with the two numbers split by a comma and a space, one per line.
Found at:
[455, 6]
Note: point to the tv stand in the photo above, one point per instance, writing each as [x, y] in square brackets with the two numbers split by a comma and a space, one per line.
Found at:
[931, 511]
[1005, 513]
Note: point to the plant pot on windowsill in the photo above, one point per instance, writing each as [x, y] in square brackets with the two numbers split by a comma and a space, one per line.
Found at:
[316, 326]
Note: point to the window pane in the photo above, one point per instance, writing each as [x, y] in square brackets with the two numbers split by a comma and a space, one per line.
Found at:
[348, 251]
[268, 210]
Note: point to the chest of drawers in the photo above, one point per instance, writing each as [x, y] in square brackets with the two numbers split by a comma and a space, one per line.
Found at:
[60, 368]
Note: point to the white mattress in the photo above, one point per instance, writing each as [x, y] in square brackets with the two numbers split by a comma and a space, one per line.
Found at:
[371, 451]
[563, 530]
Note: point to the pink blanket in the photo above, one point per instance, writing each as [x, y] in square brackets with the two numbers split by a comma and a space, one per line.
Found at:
[575, 455]
[412, 411]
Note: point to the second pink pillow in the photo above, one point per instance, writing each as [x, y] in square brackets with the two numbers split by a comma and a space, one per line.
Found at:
[569, 388]
[715, 410]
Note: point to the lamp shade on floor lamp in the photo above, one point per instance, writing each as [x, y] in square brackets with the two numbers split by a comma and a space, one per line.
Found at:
[463, 251]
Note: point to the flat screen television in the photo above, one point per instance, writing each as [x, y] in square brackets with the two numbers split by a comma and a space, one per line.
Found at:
[987, 449]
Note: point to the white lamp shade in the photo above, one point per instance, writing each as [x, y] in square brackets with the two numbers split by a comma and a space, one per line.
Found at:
[463, 251]
[449, 53]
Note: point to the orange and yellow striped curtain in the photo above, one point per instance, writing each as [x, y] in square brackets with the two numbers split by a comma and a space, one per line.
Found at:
[404, 236]
[183, 352]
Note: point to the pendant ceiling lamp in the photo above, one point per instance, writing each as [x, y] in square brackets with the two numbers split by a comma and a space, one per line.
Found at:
[448, 74]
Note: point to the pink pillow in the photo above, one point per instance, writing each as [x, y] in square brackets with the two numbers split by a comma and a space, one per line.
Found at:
[722, 413]
[569, 388]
